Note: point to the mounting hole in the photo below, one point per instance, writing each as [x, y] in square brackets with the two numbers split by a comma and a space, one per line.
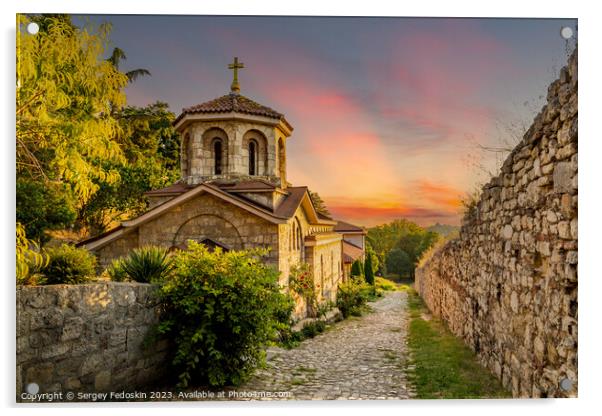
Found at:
[566, 384]
[32, 388]
[33, 28]
[566, 32]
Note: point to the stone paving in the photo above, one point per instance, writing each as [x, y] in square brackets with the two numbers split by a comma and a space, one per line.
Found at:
[359, 358]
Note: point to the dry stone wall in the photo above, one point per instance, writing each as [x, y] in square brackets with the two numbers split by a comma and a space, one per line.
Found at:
[508, 284]
[88, 338]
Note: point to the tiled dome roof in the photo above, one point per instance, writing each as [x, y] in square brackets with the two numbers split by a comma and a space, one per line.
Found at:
[233, 102]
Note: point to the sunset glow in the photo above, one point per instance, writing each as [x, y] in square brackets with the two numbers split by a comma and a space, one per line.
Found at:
[384, 109]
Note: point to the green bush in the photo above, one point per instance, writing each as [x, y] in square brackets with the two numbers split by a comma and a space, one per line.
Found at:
[145, 265]
[69, 264]
[313, 328]
[221, 309]
[352, 297]
[116, 271]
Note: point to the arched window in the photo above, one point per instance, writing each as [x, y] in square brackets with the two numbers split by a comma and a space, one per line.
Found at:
[252, 157]
[217, 155]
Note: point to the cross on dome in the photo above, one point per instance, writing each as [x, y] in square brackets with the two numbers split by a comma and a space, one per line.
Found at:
[235, 66]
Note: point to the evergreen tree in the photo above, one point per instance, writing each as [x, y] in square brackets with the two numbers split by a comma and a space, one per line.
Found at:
[356, 268]
[368, 271]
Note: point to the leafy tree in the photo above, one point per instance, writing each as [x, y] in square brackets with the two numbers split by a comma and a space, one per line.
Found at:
[151, 149]
[384, 238]
[43, 206]
[368, 270]
[399, 262]
[411, 240]
[65, 94]
[415, 244]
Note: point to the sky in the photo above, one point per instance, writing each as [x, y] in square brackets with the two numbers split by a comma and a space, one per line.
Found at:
[387, 112]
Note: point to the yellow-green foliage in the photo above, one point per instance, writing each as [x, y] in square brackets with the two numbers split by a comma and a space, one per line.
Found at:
[66, 93]
[29, 260]
[385, 284]
[352, 296]
[69, 265]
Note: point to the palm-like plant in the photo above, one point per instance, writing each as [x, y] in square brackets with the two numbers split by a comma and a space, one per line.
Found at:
[147, 264]
[117, 56]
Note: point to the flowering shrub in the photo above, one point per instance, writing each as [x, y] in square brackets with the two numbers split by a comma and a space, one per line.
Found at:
[301, 282]
[352, 296]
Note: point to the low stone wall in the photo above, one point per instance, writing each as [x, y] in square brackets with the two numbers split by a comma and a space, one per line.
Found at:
[87, 338]
[508, 284]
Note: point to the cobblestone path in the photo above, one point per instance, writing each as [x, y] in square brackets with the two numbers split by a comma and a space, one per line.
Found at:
[359, 358]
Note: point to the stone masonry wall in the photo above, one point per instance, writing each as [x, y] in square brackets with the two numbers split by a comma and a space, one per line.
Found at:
[87, 338]
[201, 217]
[508, 284]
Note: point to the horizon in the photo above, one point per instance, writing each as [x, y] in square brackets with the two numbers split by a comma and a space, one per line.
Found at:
[387, 111]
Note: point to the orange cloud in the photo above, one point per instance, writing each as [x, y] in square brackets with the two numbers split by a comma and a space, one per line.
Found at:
[365, 215]
[444, 196]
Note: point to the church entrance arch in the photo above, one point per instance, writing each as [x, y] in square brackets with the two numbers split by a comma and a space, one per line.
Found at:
[211, 228]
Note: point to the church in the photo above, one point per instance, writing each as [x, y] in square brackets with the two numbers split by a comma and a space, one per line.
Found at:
[234, 194]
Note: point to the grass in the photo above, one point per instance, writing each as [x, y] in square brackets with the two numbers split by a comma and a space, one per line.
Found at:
[441, 366]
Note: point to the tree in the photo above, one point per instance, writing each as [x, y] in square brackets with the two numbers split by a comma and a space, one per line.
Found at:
[65, 94]
[368, 270]
[399, 262]
[319, 204]
[373, 257]
[151, 149]
[42, 207]
[115, 59]
[399, 245]
[356, 268]
[384, 238]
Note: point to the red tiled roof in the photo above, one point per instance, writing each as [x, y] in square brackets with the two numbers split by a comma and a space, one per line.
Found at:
[343, 226]
[175, 189]
[351, 252]
[233, 103]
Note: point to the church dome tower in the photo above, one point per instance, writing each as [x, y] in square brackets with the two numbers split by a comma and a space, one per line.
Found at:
[233, 138]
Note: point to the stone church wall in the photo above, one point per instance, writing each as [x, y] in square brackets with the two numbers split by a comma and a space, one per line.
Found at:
[326, 260]
[116, 248]
[202, 217]
[235, 136]
[87, 338]
[508, 284]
